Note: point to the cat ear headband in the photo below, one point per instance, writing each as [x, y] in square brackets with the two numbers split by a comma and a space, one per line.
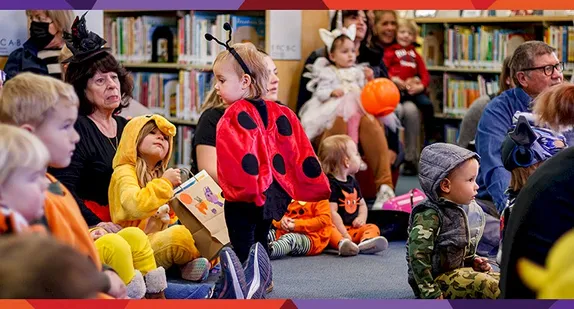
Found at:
[227, 27]
[328, 37]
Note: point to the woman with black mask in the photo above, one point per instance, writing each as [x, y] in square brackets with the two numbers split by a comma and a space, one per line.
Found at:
[39, 54]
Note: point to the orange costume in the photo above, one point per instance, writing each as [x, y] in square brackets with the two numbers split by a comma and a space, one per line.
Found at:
[350, 205]
[63, 219]
[312, 219]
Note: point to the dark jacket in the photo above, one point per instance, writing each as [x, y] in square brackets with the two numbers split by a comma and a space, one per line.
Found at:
[451, 241]
[543, 212]
[25, 59]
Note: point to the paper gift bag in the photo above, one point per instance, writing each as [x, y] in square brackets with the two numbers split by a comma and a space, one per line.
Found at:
[199, 206]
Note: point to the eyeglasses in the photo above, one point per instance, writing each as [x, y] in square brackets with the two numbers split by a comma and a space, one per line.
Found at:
[548, 69]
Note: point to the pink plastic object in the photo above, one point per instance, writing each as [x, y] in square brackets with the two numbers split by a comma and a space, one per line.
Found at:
[405, 202]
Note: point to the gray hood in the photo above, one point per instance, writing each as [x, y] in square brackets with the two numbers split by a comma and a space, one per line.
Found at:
[437, 161]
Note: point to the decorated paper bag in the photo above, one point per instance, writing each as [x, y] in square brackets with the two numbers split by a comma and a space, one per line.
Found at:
[199, 206]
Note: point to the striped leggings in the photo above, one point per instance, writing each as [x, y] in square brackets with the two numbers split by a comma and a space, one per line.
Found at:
[289, 244]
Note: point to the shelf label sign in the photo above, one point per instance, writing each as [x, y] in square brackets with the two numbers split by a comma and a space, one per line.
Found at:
[13, 31]
[285, 34]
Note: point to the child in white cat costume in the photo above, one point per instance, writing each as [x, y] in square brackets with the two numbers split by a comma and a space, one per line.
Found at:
[336, 84]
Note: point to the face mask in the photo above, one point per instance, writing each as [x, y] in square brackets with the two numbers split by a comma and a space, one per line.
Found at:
[40, 35]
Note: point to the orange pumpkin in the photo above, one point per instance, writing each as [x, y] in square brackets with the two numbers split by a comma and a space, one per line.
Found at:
[380, 97]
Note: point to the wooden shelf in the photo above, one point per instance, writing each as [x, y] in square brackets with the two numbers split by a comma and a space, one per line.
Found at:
[438, 68]
[167, 66]
[463, 70]
[178, 121]
[448, 116]
[494, 19]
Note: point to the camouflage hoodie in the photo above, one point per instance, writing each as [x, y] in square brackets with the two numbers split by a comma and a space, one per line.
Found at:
[439, 235]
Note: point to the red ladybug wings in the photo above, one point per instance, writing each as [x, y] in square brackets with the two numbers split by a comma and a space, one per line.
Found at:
[249, 155]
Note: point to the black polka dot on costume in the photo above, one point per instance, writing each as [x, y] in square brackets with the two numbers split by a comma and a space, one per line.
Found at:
[283, 126]
[250, 165]
[279, 164]
[311, 167]
[246, 121]
[301, 211]
[354, 234]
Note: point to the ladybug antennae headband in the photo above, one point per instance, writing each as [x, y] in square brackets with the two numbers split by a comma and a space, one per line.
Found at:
[227, 27]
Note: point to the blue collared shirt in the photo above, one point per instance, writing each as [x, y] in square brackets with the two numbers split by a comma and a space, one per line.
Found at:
[493, 179]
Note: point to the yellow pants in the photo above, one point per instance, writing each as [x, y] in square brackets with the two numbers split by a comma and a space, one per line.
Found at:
[174, 245]
[126, 251]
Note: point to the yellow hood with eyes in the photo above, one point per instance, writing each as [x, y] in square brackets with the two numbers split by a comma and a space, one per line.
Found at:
[556, 279]
[131, 205]
[127, 150]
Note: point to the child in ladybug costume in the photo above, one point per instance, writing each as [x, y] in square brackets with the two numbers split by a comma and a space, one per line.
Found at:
[264, 158]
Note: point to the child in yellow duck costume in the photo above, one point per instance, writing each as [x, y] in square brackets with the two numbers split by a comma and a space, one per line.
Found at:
[142, 183]
[556, 281]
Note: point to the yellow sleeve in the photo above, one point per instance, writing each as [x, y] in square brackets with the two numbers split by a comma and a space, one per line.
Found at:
[130, 202]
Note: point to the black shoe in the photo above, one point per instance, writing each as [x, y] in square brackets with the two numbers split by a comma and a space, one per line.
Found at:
[410, 169]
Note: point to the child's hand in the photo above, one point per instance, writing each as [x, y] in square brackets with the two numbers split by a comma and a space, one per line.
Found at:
[440, 297]
[285, 221]
[337, 93]
[173, 175]
[358, 222]
[392, 157]
[291, 226]
[481, 264]
[415, 89]
[97, 233]
[118, 289]
[369, 74]
[399, 82]
[110, 227]
[413, 80]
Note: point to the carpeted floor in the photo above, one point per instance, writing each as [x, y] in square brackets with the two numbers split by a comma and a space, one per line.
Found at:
[329, 276]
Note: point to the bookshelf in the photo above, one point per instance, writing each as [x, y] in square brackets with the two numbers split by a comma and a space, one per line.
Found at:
[192, 73]
[166, 66]
[171, 62]
[464, 54]
[494, 19]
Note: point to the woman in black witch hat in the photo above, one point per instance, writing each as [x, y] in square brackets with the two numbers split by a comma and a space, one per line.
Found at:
[104, 88]
[39, 54]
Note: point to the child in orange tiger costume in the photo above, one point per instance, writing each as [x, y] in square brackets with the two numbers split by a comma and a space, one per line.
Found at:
[305, 229]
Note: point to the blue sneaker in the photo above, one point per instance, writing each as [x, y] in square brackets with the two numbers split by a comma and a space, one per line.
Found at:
[258, 272]
[232, 283]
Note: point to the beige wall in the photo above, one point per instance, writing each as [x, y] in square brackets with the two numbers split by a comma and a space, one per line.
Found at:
[290, 70]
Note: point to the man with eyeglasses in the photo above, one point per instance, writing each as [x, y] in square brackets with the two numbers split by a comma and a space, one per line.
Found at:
[534, 67]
